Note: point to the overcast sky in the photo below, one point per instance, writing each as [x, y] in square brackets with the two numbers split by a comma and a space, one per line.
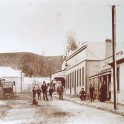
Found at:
[41, 26]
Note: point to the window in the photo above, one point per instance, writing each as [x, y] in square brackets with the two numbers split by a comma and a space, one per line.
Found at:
[83, 76]
[77, 77]
[72, 79]
[80, 77]
[68, 81]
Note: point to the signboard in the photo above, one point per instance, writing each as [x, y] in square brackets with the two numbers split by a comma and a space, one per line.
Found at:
[105, 62]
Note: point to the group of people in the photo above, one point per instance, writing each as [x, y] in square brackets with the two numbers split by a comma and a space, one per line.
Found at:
[60, 90]
[43, 89]
[102, 93]
[83, 93]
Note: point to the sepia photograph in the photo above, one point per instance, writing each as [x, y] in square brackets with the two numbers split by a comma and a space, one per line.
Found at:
[61, 61]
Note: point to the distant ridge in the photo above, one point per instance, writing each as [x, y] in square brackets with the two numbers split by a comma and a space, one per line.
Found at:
[31, 64]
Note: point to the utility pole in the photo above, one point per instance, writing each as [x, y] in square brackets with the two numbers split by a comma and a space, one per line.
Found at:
[114, 55]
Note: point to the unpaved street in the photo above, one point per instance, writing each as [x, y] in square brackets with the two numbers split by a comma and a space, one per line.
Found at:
[21, 111]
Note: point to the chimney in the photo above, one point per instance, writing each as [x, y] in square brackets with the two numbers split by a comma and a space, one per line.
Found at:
[108, 49]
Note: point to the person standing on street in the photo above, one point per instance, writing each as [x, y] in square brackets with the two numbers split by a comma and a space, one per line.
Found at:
[102, 90]
[60, 91]
[91, 90]
[34, 102]
[44, 90]
[51, 91]
[34, 92]
[39, 93]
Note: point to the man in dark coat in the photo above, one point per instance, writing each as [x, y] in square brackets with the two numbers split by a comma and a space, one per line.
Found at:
[60, 91]
[34, 96]
[82, 94]
[44, 90]
[102, 93]
[39, 93]
[51, 91]
[34, 92]
[91, 90]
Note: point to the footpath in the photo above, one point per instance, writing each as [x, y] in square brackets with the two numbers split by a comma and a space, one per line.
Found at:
[107, 106]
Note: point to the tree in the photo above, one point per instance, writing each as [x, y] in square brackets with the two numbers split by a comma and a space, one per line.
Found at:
[71, 41]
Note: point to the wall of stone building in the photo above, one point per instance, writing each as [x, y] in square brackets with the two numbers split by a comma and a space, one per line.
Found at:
[93, 67]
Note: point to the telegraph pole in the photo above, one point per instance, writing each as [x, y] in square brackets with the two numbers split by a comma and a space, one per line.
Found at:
[114, 55]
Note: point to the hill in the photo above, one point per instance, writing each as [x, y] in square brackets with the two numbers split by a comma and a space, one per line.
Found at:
[31, 64]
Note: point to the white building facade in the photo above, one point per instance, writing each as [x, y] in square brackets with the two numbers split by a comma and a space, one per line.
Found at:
[80, 64]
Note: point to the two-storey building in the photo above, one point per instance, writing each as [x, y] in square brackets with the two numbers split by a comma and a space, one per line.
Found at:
[80, 64]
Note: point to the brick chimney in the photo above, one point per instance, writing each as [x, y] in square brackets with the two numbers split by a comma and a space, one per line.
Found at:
[108, 49]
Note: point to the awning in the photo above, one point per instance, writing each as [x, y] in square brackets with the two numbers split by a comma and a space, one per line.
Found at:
[100, 74]
[60, 79]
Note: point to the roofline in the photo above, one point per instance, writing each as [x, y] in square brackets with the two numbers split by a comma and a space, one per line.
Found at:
[118, 62]
[12, 77]
[76, 52]
[111, 55]
[58, 71]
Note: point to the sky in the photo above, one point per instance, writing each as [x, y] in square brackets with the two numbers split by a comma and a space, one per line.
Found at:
[41, 26]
